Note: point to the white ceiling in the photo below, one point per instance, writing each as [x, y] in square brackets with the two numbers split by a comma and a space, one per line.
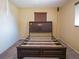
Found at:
[38, 3]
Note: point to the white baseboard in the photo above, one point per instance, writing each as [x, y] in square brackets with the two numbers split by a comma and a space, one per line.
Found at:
[68, 45]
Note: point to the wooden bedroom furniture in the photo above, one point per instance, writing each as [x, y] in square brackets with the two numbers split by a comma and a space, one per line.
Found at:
[44, 51]
[52, 48]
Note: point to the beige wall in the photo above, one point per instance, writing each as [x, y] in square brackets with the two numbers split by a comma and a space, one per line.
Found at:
[8, 25]
[26, 15]
[69, 33]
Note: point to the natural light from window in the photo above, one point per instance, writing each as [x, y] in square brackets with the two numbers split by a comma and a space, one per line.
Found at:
[77, 14]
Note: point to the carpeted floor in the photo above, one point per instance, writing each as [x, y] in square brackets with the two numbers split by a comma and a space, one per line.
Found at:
[11, 53]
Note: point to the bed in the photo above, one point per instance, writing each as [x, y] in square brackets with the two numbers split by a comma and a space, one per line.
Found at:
[41, 42]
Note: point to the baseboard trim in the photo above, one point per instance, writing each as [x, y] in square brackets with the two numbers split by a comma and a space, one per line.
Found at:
[9, 48]
[68, 45]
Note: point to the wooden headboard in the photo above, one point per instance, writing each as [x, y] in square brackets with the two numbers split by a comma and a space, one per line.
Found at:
[42, 27]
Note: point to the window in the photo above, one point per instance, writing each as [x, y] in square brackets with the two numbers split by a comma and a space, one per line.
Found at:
[77, 14]
[40, 16]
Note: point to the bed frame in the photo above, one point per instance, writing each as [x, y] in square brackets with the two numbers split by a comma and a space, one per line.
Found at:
[41, 27]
